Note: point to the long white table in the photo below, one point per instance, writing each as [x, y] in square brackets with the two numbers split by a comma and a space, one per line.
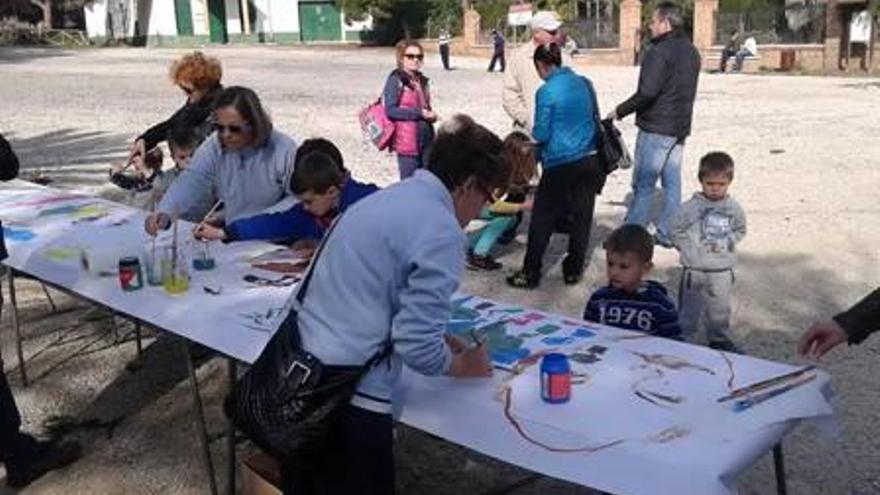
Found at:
[609, 437]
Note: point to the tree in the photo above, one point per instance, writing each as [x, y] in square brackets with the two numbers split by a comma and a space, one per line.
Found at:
[46, 7]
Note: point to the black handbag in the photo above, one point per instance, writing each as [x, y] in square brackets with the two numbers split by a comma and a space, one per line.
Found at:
[288, 400]
[610, 148]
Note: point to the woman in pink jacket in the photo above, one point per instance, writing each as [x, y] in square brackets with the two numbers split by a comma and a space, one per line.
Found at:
[408, 104]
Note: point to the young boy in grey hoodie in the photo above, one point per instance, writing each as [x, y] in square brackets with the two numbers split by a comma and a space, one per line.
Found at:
[705, 233]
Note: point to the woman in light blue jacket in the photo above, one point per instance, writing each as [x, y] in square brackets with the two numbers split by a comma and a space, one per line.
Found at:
[565, 132]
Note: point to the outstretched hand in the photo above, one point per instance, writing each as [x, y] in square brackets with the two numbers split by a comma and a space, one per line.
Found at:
[821, 338]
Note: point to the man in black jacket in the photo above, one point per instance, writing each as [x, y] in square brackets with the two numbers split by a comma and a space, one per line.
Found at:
[25, 457]
[664, 104]
[853, 325]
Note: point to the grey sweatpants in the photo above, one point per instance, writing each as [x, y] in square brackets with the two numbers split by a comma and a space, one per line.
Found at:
[704, 303]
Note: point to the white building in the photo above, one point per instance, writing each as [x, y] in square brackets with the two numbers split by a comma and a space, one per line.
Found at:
[188, 22]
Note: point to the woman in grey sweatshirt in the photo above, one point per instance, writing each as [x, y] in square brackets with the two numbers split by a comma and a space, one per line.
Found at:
[246, 161]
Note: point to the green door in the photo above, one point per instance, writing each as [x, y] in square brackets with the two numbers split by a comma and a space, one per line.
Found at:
[319, 21]
[183, 12]
[217, 20]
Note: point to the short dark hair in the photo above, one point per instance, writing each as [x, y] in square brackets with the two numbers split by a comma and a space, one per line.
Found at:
[247, 104]
[316, 172]
[465, 149]
[671, 12]
[548, 54]
[322, 145]
[184, 137]
[631, 238]
[714, 163]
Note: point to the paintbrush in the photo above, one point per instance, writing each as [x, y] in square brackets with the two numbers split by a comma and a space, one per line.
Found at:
[770, 382]
[207, 215]
[174, 247]
[742, 405]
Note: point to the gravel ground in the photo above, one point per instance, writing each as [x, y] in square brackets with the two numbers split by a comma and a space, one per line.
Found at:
[804, 177]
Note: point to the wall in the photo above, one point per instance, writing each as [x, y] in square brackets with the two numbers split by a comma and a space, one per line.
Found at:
[162, 20]
[201, 25]
[233, 18]
[96, 19]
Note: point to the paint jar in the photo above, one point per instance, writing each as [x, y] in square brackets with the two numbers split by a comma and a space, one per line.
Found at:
[175, 273]
[130, 276]
[202, 259]
[555, 378]
[153, 265]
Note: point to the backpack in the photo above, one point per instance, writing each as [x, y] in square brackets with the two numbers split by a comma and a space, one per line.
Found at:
[375, 124]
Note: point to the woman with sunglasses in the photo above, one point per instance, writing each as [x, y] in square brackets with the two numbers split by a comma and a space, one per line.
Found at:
[408, 104]
[565, 132]
[246, 163]
[198, 77]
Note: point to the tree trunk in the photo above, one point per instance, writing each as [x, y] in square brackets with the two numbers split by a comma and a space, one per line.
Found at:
[46, 7]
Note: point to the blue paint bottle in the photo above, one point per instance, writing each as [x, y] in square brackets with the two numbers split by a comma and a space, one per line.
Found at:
[555, 378]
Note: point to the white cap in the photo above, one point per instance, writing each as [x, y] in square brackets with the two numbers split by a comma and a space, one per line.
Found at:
[546, 20]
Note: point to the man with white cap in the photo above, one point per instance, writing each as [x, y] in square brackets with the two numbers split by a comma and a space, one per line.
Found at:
[521, 80]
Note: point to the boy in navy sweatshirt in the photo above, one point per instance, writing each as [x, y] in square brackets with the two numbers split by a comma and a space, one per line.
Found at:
[324, 189]
[628, 301]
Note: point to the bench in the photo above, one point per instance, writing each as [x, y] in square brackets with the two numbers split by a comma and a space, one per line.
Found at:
[751, 64]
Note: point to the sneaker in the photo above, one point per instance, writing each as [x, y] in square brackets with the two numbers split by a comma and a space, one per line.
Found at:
[521, 280]
[477, 262]
[48, 456]
[725, 346]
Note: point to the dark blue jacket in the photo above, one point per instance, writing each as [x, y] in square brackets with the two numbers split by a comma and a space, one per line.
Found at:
[295, 223]
[649, 309]
[564, 123]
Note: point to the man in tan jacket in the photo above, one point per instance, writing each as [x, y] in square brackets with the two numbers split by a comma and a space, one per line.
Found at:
[521, 79]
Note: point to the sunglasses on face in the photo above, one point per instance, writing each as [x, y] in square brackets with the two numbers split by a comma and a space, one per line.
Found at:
[187, 90]
[232, 128]
[414, 56]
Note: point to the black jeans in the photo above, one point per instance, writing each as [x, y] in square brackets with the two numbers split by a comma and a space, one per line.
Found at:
[564, 190]
[444, 56]
[497, 57]
[16, 449]
[357, 460]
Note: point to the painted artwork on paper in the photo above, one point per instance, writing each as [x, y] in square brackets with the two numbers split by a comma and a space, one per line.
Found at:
[511, 333]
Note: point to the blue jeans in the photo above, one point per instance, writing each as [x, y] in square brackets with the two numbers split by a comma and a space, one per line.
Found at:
[657, 156]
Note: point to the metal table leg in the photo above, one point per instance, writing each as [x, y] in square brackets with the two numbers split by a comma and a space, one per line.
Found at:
[230, 434]
[137, 337]
[16, 325]
[201, 427]
[779, 465]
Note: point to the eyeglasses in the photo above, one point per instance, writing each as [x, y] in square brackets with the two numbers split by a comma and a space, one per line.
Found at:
[415, 56]
[188, 90]
[232, 128]
[551, 32]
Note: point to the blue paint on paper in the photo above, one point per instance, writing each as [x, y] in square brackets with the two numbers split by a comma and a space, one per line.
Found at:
[508, 356]
[19, 235]
[557, 340]
[583, 333]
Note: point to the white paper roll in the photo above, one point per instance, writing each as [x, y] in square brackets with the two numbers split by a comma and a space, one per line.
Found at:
[104, 261]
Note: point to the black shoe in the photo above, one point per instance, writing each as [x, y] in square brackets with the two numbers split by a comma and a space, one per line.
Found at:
[521, 280]
[49, 456]
[725, 346]
[477, 262]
